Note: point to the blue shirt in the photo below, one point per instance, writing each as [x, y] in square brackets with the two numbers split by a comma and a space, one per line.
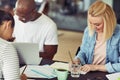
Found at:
[112, 63]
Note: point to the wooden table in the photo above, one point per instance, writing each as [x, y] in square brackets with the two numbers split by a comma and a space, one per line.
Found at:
[96, 75]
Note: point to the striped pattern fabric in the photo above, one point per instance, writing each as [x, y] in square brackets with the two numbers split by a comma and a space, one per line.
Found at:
[9, 64]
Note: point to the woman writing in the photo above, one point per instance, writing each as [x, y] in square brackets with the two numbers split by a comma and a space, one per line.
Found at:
[9, 64]
[100, 48]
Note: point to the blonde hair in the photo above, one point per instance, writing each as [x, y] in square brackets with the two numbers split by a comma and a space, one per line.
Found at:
[101, 9]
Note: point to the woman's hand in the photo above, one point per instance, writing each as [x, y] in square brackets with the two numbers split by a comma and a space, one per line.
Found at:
[23, 77]
[91, 67]
[88, 68]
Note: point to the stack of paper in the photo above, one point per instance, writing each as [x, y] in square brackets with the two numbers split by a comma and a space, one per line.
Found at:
[114, 76]
[36, 71]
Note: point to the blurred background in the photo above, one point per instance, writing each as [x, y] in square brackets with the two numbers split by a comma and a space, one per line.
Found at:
[70, 17]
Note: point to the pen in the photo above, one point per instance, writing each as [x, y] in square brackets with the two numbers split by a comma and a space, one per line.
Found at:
[70, 56]
[24, 69]
[37, 72]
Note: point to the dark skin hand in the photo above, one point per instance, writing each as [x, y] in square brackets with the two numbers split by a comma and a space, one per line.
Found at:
[49, 51]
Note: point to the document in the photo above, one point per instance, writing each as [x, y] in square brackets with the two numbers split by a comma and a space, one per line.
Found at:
[113, 76]
[37, 71]
[62, 65]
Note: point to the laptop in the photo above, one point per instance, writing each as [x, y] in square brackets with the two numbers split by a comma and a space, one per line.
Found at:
[28, 53]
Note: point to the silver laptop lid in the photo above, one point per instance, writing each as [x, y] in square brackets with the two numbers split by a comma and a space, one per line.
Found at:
[28, 53]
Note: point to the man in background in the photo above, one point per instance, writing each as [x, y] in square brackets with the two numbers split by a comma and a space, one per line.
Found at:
[34, 27]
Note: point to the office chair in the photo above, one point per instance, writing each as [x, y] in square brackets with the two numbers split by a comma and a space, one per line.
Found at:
[78, 50]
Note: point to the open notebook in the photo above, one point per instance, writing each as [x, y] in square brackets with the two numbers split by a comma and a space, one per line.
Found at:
[28, 53]
[38, 71]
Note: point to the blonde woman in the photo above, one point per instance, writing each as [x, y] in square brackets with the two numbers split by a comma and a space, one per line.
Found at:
[100, 48]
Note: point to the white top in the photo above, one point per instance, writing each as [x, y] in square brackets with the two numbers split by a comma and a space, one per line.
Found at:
[99, 53]
[9, 64]
[42, 31]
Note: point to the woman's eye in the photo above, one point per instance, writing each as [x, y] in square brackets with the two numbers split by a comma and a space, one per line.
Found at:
[97, 24]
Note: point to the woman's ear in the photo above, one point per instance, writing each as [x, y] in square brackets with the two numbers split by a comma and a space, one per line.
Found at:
[4, 25]
[9, 23]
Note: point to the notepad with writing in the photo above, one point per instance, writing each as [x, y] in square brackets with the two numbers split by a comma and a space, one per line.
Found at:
[37, 71]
